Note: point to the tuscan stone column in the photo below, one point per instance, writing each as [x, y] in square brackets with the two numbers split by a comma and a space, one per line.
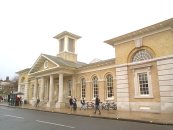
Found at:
[19, 88]
[74, 86]
[35, 92]
[35, 89]
[26, 91]
[51, 91]
[42, 89]
[60, 103]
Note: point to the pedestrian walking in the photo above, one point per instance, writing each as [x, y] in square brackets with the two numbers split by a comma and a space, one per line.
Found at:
[97, 105]
[71, 103]
[74, 104]
[83, 104]
[37, 102]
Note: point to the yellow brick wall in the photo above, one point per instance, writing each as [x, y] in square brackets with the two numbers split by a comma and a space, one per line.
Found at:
[155, 85]
[161, 44]
[101, 82]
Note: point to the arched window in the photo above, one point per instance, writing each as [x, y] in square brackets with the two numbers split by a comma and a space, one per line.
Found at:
[83, 88]
[141, 55]
[95, 86]
[109, 86]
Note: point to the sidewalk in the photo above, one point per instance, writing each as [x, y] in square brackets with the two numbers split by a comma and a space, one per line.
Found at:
[164, 119]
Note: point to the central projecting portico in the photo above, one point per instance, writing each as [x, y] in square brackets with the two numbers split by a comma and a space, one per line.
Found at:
[50, 89]
[51, 72]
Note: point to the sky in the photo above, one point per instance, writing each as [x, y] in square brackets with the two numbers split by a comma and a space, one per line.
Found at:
[27, 27]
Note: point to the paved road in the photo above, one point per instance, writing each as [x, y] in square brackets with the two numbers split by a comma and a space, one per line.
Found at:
[24, 119]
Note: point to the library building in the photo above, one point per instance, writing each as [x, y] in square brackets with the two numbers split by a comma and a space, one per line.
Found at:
[139, 78]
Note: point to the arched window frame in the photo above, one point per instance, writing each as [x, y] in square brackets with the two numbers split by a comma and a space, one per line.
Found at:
[95, 87]
[141, 55]
[83, 88]
[109, 87]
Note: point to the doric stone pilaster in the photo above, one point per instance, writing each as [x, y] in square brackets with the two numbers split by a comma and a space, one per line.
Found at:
[26, 91]
[42, 89]
[165, 76]
[122, 88]
[51, 91]
[60, 103]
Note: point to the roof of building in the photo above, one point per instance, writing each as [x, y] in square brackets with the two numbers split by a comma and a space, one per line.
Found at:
[24, 70]
[99, 63]
[160, 25]
[60, 35]
[63, 62]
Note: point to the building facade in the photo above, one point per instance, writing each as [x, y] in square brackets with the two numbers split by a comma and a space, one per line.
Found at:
[139, 78]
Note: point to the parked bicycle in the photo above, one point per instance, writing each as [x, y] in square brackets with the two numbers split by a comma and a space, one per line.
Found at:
[107, 105]
[90, 105]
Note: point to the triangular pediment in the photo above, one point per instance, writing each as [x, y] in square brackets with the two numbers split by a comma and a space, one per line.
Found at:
[43, 63]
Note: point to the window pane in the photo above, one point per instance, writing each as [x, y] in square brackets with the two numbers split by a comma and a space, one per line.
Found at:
[141, 55]
[143, 83]
[95, 86]
[83, 88]
[109, 83]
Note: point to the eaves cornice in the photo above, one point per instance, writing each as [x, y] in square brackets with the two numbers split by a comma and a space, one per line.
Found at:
[98, 64]
[165, 25]
[68, 34]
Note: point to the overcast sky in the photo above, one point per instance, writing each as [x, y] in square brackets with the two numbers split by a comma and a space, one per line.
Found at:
[27, 27]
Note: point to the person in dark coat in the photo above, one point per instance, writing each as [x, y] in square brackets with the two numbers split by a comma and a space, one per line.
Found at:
[71, 103]
[97, 105]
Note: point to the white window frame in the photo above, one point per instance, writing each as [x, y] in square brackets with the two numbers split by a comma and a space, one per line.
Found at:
[83, 88]
[95, 87]
[136, 83]
[109, 98]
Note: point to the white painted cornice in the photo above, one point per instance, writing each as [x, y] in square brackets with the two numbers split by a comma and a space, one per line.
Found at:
[60, 35]
[141, 36]
[150, 30]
